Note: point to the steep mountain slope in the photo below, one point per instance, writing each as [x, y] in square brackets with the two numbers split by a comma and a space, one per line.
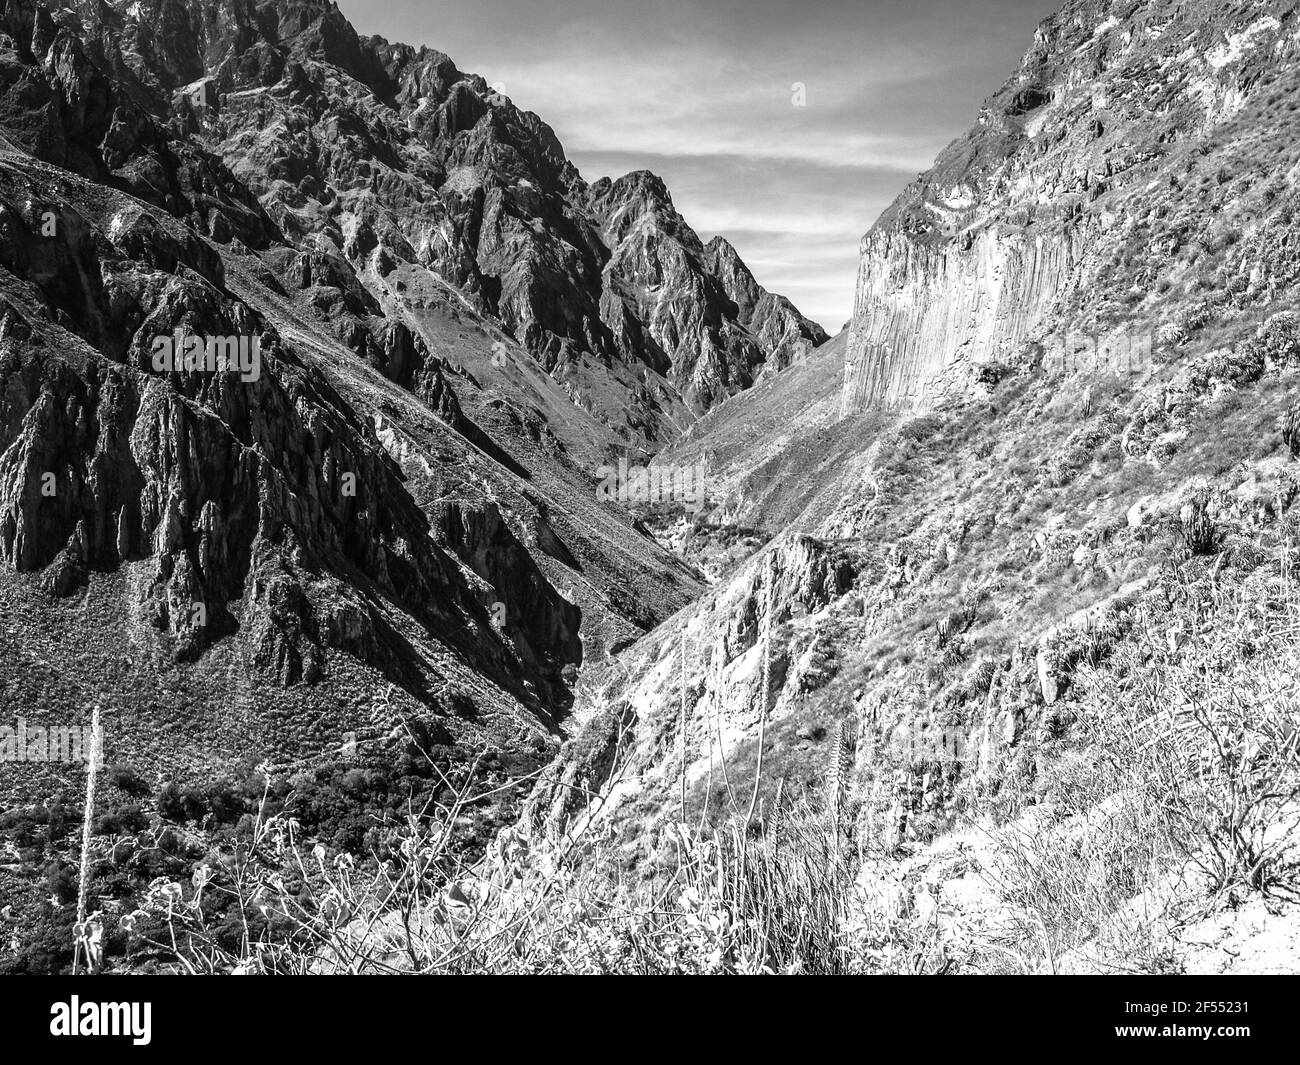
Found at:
[350, 531]
[951, 588]
[368, 557]
[390, 156]
[448, 350]
[1083, 198]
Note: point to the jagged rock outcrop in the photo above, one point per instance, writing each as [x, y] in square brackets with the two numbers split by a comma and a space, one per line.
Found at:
[382, 155]
[722, 638]
[71, 100]
[773, 320]
[373, 503]
[1036, 226]
[693, 313]
[226, 484]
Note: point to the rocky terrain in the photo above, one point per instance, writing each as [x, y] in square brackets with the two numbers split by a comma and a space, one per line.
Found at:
[978, 657]
[376, 549]
[1059, 426]
[1083, 197]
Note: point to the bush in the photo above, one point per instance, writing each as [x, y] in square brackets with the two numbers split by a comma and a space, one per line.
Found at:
[126, 780]
[123, 820]
[1211, 743]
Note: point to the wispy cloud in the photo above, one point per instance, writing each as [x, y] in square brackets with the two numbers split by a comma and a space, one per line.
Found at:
[703, 92]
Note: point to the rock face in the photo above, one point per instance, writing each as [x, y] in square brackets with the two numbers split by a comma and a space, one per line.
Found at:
[1090, 297]
[1039, 219]
[692, 312]
[722, 639]
[923, 307]
[381, 155]
[233, 491]
[396, 494]
[772, 320]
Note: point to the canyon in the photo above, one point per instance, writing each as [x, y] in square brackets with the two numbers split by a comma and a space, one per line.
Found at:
[960, 542]
[922, 559]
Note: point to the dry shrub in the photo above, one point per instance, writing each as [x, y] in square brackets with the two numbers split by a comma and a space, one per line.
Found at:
[1183, 780]
[1210, 735]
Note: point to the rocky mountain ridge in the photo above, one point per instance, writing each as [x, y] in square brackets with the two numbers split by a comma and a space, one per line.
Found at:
[1014, 236]
[967, 539]
[448, 346]
[387, 532]
[391, 156]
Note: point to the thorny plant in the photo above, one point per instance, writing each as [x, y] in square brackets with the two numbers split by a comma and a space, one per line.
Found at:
[1185, 758]
[1186, 784]
[767, 898]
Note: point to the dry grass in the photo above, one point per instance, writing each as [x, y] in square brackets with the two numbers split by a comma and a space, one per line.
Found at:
[1180, 783]
[769, 900]
[1182, 786]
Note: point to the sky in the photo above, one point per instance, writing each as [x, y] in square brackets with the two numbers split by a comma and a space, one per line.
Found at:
[785, 125]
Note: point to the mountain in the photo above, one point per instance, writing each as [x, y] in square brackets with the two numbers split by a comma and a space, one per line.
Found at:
[1077, 200]
[987, 611]
[447, 314]
[392, 159]
[372, 542]
[686, 309]
[1046, 470]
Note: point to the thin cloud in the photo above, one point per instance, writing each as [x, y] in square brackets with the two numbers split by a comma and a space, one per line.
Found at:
[703, 93]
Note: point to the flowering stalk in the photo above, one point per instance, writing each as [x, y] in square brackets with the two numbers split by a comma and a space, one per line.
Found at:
[82, 937]
[767, 685]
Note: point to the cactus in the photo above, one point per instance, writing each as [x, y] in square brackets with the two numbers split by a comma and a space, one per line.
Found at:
[1291, 429]
[840, 760]
[1198, 529]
